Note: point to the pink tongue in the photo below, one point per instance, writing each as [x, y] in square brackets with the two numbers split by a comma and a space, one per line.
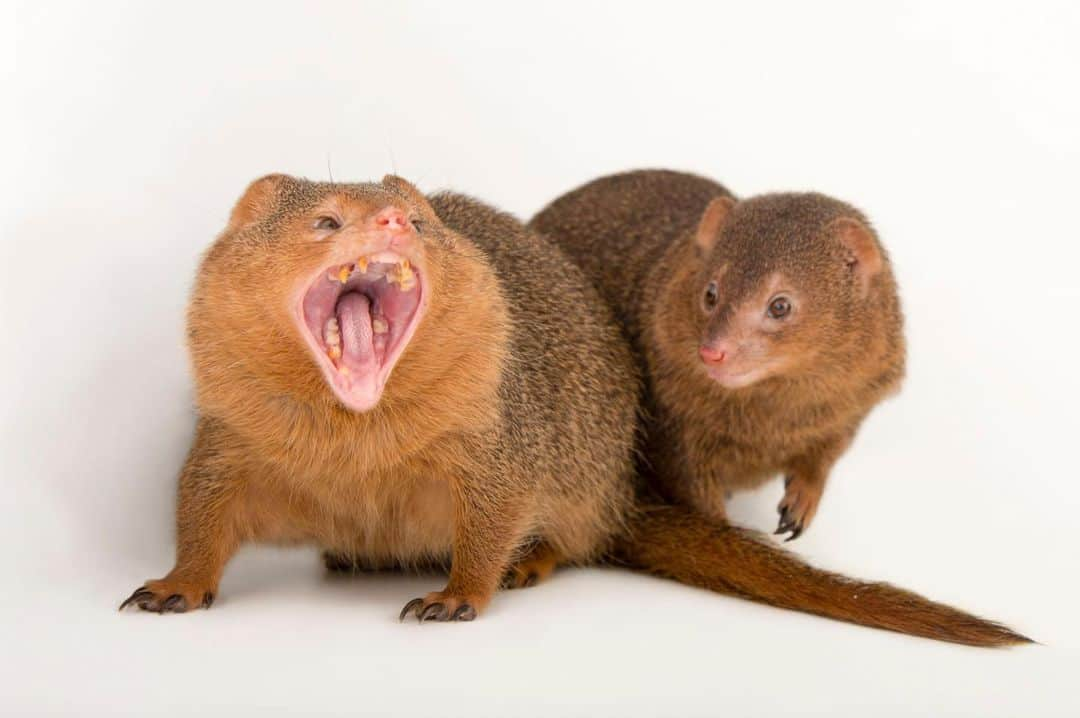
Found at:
[354, 317]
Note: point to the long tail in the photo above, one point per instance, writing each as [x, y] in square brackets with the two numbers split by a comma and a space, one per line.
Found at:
[677, 543]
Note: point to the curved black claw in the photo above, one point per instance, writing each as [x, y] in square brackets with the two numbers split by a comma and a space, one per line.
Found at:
[530, 580]
[141, 594]
[788, 524]
[464, 612]
[412, 606]
[434, 612]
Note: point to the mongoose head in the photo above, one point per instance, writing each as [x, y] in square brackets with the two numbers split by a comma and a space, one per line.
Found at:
[315, 286]
[786, 286]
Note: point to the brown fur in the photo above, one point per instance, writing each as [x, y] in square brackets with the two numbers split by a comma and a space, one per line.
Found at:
[677, 543]
[652, 241]
[501, 446]
[507, 423]
[638, 236]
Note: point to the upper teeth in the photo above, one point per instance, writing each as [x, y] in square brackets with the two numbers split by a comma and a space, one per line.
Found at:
[400, 272]
[403, 276]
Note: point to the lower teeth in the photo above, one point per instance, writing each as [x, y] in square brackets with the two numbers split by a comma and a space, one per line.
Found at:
[332, 337]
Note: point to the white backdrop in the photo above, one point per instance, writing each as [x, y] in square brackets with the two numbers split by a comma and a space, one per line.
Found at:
[132, 128]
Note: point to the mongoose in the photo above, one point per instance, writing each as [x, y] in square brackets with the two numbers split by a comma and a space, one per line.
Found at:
[768, 327]
[410, 381]
[400, 380]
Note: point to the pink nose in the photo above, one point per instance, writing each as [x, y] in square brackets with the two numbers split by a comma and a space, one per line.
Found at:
[391, 218]
[713, 355]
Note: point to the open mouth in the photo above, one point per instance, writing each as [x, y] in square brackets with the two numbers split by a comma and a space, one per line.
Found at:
[357, 318]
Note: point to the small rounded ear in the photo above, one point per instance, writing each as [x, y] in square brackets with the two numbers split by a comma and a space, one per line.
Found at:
[258, 199]
[861, 252]
[711, 221]
[405, 188]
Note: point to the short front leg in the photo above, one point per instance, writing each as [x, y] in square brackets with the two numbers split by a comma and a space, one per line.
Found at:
[803, 487]
[802, 493]
[206, 538]
[488, 530]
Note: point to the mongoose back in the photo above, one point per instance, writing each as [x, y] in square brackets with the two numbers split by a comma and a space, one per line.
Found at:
[766, 330]
[410, 381]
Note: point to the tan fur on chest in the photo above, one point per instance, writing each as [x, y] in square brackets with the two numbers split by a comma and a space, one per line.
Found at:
[398, 516]
[376, 487]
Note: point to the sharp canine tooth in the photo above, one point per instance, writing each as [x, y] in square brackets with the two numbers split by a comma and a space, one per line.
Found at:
[344, 272]
[362, 264]
[334, 352]
[379, 326]
[405, 264]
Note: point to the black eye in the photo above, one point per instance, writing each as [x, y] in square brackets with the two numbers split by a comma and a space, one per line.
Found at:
[418, 225]
[779, 307]
[712, 294]
[327, 223]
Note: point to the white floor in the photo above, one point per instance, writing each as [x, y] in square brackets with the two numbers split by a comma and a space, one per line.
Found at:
[137, 126]
[285, 638]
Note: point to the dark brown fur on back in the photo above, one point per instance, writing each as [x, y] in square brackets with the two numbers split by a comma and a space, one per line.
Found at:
[570, 388]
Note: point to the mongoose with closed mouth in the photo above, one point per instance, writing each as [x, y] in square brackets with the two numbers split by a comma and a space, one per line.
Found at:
[768, 327]
[766, 330]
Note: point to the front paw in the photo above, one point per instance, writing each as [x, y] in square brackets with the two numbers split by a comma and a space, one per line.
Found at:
[169, 596]
[798, 507]
[443, 606]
